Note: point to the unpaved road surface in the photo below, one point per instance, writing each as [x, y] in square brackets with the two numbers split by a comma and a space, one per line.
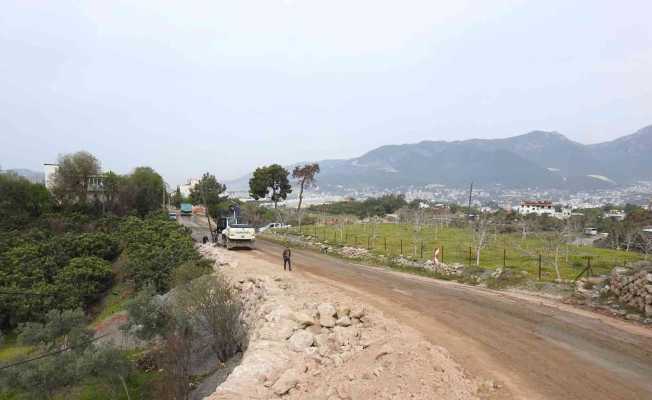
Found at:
[310, 340]
[534, 351]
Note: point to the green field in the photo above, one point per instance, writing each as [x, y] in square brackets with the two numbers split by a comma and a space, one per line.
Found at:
[510, 250]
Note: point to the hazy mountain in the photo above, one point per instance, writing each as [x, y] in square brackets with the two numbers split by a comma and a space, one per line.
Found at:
[536, 159]
[33, 176]
[630, 157]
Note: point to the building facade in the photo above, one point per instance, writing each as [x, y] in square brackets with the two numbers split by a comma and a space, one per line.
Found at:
[544, 207]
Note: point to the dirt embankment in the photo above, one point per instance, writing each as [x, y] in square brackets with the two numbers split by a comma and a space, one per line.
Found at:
[310, 340]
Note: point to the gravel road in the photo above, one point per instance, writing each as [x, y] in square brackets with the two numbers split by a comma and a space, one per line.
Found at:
[537, 350]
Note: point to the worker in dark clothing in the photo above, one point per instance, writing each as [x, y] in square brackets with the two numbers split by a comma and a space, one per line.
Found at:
[287, 263]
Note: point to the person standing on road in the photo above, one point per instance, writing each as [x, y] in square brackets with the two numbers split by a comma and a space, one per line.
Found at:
[287, 262]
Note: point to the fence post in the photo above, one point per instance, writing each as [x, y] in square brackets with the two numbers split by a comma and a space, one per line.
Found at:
[539, 266]
[588, 266]
[422, 249]
[368, 242]
[385, 243]
[504, 257]
[442, 253]
[401, 246]
[470, 255]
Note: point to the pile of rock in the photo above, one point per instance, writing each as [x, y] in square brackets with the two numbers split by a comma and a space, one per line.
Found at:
[353, 252]
[252, 293]
[633, 286]
[446, 269]
[323, 334]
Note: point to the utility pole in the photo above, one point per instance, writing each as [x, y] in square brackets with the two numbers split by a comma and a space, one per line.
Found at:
[470, 194]
[203, 195]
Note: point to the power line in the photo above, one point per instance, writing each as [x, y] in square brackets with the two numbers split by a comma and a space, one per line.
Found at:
[50, 353]
[17, 293]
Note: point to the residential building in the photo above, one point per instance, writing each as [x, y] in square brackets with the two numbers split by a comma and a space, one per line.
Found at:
[95, 182]
[188, 186]
[617, 215]
[544, 207]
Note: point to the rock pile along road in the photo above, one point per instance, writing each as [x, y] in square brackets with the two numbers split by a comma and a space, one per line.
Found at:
[536, 349]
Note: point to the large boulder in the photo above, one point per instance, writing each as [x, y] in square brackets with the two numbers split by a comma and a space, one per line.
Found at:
[326, 313]
[303, 319]
[343, 311]
[345, 336]
[287, 381]
[326, 309]
[357, 311]
[301, 340]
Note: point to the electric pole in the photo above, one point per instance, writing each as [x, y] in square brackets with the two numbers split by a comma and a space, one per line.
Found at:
[203, 195]
[470, 194]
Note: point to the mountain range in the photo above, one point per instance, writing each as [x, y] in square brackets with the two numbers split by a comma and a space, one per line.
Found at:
[536, 159]
[32, 176]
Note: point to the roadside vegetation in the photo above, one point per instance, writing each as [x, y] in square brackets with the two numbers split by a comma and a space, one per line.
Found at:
[393, 227]
[73, 256]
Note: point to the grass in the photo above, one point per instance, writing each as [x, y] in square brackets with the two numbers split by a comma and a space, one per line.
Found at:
[115, 299]
[502, 249]
[139, 384]
[10, 350]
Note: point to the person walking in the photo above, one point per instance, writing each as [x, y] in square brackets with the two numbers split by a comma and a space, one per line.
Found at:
[287, 262]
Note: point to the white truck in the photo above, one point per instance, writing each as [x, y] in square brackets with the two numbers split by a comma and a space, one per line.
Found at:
[233, 233]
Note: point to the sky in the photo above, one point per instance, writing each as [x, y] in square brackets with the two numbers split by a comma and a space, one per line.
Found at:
[226, 86]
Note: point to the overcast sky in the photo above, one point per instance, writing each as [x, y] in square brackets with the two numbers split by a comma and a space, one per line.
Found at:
[226, 86]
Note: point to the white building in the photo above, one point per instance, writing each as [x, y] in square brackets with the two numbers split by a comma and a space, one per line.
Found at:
[185, 188]
[618, 215]
[49, 170]
[543, 207]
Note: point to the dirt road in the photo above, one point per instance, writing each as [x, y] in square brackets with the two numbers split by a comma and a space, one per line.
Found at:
[536, 351]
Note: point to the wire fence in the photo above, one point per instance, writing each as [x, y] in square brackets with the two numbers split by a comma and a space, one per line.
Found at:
[502, 251]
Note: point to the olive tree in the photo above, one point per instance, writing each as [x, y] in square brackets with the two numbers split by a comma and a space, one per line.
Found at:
[72, 179]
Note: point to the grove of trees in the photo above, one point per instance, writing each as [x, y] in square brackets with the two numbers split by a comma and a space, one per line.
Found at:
[62, 254]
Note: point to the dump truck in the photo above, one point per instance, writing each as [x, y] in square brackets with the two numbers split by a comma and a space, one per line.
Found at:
[235, 234]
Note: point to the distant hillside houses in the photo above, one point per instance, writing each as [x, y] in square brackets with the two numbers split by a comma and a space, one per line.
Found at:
[544, 207]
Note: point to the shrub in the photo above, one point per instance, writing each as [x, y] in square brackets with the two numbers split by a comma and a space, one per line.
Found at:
[189, 271]
[155, 248]
[83, 280]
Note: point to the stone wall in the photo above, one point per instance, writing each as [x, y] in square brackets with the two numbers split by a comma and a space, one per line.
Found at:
[633, 286]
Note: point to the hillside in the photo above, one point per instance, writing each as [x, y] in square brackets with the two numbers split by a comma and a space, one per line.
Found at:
[535, 159]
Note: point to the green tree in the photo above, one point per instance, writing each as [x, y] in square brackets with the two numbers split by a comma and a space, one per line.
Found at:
[177, 198]
[21, 201]
[270, 181]
[114, 188]
[71, 181]
[147, 188]
[209, 193]
[306, 176]
[84, 279]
